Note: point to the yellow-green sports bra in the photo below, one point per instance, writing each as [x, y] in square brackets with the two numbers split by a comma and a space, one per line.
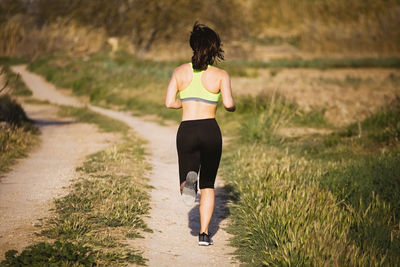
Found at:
[196, 91]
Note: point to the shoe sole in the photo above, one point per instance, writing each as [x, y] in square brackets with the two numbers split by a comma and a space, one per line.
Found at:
[188, 192]
[205, 243]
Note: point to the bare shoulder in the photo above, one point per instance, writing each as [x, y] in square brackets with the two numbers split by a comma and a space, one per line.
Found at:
[182, 69]
[219, 72]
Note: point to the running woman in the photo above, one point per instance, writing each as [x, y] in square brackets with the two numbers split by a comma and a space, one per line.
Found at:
[196, 87]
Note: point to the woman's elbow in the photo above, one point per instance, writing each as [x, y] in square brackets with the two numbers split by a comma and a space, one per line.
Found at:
[230, 108]
[168, 103]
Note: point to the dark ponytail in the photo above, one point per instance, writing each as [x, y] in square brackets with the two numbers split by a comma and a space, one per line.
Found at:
[206, 46]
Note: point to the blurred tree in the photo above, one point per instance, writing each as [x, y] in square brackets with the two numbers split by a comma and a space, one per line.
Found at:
[144, 22]
[9, 8]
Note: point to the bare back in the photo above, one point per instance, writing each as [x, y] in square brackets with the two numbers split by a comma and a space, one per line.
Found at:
[213, 80]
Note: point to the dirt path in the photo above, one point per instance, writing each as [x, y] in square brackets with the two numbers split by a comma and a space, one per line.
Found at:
[27, 192]
[174, 241]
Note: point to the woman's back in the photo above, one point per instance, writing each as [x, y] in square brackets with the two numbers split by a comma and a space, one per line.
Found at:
[213, 80]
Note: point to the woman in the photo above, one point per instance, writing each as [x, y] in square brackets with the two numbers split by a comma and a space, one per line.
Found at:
[196, 88]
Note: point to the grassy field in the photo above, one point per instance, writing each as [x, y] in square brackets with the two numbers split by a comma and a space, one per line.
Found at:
[316, 199]
[103, 209]
[309, 199]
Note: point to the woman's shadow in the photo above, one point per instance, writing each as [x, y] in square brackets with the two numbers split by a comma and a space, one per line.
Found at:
[221, 212]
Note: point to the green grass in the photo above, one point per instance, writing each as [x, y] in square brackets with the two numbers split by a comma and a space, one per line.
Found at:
[104, 207]
[17, 133]
[50, 254]
[320, 63]
[315, 199]
[105, 204]
[123, 81]
[86, 115]
[12, 60]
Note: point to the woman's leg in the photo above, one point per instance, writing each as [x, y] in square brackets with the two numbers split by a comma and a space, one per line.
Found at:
[188, 153]
[206, 208]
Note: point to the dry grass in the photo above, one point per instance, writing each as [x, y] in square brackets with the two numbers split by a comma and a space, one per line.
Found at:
[345, 95]
[377, 35]
[17, 133]
[334, 27]
[19, 39]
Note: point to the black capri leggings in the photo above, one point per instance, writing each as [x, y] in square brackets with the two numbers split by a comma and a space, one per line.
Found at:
[199, 145]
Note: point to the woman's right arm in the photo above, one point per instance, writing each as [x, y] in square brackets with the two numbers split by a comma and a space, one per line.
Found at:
[226, 92]
[171, 99]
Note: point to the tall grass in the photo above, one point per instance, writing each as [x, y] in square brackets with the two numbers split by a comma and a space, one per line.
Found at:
[21, 37]
[282, 216]
[17, 133]
[329, 207]
[267, 118]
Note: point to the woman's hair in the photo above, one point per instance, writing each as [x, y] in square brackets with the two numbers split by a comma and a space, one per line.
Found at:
[206, 46]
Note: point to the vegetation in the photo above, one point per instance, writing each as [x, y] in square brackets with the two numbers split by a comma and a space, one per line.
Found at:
[45, 254]
[318, 199]
[86, 115]
[103, 208]
[15, 82]
[17, 133]
[327, 27]
[121, 81]
[320, 63]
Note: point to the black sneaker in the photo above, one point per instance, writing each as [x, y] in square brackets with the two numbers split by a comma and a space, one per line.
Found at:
[189, 191]
[205, 239]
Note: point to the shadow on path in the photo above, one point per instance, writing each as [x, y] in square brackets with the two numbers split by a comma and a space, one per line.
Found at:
[221, 212]
[50, 122]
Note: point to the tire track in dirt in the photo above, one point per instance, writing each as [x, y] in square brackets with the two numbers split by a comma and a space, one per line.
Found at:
[174, 240]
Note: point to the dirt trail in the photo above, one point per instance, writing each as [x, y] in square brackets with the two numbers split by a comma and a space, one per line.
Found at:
[174, 241]
[27, 192]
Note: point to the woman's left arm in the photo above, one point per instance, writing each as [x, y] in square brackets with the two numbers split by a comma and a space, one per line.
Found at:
[171, 99]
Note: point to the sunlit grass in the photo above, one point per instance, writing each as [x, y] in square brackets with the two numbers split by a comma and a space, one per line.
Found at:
[316, 199]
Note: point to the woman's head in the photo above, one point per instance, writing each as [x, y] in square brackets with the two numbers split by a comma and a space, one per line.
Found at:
[206, 46]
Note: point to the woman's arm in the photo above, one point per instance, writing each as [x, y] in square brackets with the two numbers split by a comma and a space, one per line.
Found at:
[226, 92]
[171, 100]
